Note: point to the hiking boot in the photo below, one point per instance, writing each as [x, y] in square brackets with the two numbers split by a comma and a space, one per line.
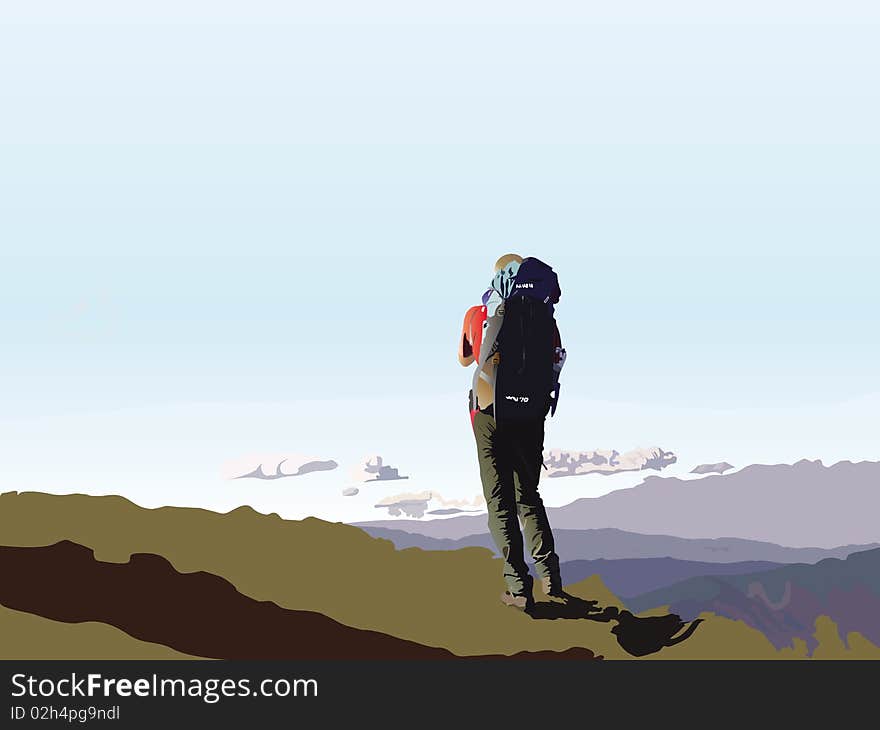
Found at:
[553, 589]
[518, 601]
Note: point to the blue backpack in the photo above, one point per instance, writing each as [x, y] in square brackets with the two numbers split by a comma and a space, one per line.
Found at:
[526, 381]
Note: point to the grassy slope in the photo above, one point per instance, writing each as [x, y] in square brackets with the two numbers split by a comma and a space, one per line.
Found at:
[26, 636]
[445, 599]
[442, 598]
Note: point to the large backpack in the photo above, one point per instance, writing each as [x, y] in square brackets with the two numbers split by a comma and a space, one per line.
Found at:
[526, 383]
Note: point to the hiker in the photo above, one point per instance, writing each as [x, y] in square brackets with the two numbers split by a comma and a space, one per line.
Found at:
[513, 339]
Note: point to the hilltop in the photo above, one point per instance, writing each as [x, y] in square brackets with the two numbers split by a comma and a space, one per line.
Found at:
[443, 599]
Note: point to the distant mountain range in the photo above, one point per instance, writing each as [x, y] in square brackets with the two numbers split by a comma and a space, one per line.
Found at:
[615, 544]
[631, 564]
[784, 603]
[635, 576]
[802, 504]
[450, 528]
[180, 577]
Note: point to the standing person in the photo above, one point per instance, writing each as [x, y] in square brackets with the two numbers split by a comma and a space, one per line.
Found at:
[517, 376]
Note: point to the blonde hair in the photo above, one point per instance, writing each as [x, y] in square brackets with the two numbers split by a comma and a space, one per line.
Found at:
[506, 259]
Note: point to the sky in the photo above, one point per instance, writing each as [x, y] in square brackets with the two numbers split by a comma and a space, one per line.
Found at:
[235, 228]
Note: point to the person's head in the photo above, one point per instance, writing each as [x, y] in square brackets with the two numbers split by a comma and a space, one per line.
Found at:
[506, 259]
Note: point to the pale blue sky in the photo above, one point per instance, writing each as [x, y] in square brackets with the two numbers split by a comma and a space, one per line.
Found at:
[218, 219]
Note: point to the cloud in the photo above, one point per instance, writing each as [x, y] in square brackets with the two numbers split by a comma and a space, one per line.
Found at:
[350, 491]
[416, 504]
[411, 505]
[373, 469]
[572, 463]
[275, 466]
[712, 468]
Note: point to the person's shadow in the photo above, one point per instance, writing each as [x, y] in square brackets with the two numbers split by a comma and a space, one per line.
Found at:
[637, 636]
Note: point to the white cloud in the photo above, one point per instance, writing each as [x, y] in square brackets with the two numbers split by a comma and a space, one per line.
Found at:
[275, 466]
[562, 463]
[415, 504]
[373, 469]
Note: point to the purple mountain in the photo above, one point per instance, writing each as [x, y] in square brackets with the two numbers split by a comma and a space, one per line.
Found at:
[613, 544]
[802, 504]
[451, 528]
[633, 577]
[784, 603]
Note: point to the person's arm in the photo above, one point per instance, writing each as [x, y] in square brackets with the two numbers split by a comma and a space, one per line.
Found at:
[558, 350]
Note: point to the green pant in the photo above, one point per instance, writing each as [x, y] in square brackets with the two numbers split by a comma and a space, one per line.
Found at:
[510, 459]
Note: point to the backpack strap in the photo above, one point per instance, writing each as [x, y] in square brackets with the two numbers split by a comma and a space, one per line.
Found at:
[488, 347]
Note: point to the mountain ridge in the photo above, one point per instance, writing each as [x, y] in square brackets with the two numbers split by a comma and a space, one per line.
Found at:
[835, 506]
[784, 603]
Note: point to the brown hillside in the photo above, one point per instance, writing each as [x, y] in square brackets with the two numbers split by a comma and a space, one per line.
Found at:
[196, 613]
[447, 599]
